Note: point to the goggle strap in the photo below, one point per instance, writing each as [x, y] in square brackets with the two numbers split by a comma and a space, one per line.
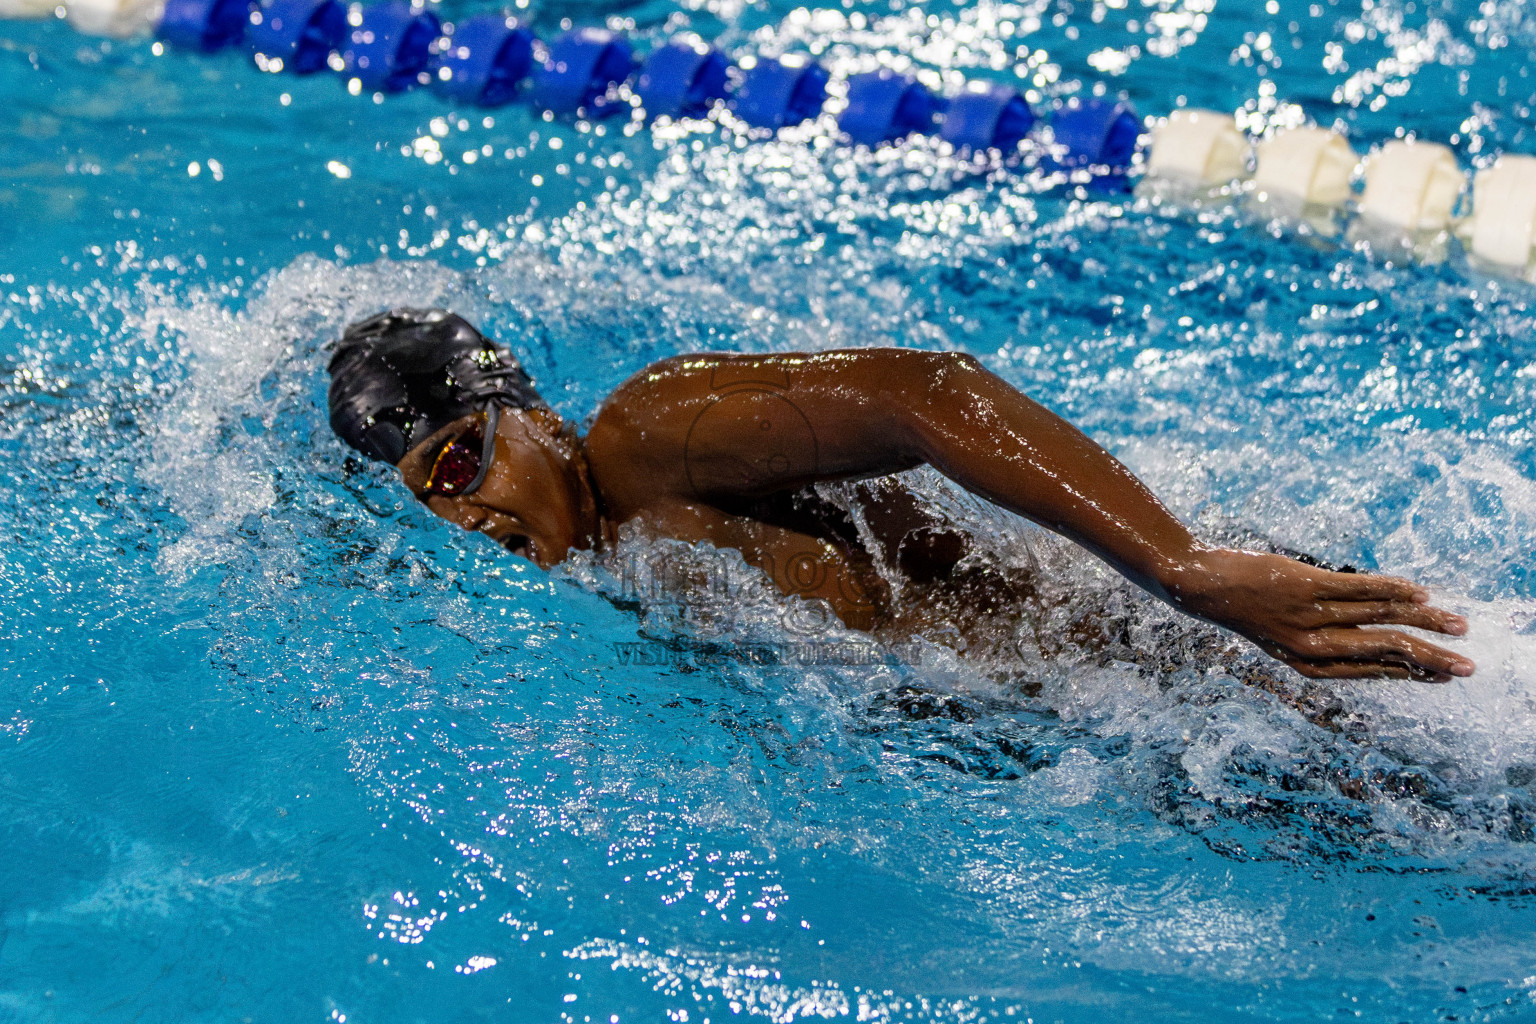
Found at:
[487, 449]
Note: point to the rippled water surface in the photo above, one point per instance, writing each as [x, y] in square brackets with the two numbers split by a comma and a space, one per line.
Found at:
[275, 745]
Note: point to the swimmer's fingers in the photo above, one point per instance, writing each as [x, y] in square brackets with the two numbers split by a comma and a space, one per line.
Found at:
[1320, 622]
[1363, 670]
[1377, 646]
[1391, 613]
[1349, 586]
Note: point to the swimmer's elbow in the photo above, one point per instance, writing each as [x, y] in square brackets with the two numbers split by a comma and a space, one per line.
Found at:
[952, 376]
[946, 367]
[962, 362]
[906, 398]
[918, 379]
[936, 383]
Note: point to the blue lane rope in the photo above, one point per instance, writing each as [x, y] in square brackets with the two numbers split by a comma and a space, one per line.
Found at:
[489, 60]
[302, 33]
[492, 60]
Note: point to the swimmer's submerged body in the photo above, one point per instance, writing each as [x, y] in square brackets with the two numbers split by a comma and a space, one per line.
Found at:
[724, 449]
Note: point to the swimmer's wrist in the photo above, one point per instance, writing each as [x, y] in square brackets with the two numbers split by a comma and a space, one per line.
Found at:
[1187, 577]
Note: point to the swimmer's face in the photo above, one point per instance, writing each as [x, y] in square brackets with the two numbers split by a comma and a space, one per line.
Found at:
[530, 500]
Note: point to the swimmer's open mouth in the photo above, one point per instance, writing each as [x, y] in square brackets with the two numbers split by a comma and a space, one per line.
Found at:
[518, 544]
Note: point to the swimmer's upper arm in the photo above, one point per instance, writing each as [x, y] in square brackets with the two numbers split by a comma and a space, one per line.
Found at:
[713, 426]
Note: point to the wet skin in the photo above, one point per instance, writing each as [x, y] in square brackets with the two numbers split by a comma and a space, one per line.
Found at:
[720, 448]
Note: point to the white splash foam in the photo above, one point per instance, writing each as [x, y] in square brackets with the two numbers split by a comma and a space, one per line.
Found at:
[212, 455]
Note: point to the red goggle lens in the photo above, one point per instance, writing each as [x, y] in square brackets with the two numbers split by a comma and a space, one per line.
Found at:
[456, 465]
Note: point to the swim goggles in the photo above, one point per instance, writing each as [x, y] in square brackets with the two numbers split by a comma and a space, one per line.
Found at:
[462, 463]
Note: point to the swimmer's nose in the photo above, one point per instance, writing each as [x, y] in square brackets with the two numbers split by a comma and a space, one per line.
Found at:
[471, 519]
[459, 513]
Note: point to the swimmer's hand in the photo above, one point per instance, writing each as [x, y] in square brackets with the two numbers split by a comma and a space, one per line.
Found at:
[1323, 624]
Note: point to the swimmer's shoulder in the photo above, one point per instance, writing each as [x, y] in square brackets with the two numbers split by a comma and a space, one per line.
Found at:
[637, 444]
[708, 375]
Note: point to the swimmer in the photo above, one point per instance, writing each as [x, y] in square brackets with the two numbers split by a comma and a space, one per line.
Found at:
[724, 449]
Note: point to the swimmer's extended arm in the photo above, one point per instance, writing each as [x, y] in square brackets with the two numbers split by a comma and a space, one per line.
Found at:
[984, 435]
[750, 426]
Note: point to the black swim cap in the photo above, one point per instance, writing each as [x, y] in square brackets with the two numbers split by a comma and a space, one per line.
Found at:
[399, 377]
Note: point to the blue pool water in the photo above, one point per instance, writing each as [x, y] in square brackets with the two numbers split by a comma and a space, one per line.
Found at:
[275, 745]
